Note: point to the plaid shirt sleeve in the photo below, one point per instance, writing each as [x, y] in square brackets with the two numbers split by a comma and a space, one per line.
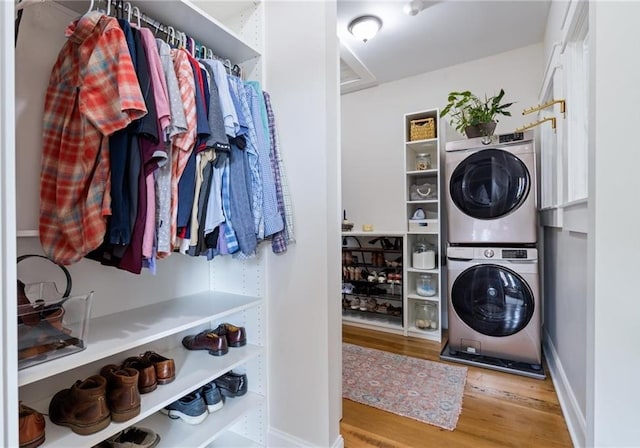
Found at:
[110, 95]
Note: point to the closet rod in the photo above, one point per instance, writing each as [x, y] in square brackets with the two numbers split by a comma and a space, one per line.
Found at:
[128, 8]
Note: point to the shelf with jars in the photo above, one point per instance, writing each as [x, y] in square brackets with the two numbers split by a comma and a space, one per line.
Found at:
[372, 280]
[423, 297]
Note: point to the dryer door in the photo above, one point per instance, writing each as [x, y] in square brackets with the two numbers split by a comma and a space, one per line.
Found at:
[489, 184]
[492, 300]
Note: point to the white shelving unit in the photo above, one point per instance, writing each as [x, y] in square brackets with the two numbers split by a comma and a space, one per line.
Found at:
[432, 233]
[133, 314]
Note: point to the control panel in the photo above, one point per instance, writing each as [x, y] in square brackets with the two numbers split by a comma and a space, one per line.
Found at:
[514, 137]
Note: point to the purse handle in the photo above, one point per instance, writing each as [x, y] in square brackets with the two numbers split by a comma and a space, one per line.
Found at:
[67, 291]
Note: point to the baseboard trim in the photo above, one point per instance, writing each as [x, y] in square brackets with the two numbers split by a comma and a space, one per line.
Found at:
[282, 439]
[576, 421]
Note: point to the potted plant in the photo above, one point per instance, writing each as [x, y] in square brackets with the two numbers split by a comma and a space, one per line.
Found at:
[473, 116]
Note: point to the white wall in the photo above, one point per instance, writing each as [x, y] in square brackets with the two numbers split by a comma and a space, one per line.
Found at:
[372, 126]
[304, 310]
[614, 309]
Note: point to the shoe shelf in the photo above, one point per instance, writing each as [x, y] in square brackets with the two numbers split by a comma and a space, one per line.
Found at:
[373, 320]
[426, 173]
[395, 297]
[214, 431]
[193, 369]
[115, 333]
[232, 440]
[425, 201]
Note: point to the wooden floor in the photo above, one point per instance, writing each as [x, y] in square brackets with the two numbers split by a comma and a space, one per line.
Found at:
[498, 409]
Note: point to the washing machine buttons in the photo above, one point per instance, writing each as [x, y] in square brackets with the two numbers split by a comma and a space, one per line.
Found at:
[489, 253]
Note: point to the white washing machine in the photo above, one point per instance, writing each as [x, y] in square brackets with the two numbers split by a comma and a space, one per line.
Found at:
[491, 190]
[494, 303]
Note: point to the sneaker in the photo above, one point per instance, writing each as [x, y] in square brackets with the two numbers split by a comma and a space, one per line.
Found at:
[190, 408]
[212, 397]
[133, 437]
[355, 303]
[419, 214]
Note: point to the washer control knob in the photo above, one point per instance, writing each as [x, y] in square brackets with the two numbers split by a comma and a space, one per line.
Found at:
[489, 253]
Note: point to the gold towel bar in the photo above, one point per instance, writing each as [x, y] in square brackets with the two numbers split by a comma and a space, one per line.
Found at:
[531, 125]
[563, 108]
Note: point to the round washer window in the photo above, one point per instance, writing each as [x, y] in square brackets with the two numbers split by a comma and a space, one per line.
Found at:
[492, 300]
[489, 184]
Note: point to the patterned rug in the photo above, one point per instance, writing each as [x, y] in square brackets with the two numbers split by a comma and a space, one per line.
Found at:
[428, 391]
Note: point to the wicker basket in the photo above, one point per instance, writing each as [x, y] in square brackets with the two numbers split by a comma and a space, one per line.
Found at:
[422, 129]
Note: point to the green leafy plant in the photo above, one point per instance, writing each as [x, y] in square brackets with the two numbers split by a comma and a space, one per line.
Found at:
[466, 109]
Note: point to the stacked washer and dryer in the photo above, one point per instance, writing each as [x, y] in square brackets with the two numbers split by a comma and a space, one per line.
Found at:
[494, 302]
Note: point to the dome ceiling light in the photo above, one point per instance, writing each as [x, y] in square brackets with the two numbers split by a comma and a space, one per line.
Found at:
[365, 27]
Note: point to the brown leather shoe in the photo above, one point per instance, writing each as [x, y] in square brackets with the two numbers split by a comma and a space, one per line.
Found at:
[147, 381]
[207, 340]
[83, 407]
[236, 336]
[31, 427]
[165, 367]
[122, 392]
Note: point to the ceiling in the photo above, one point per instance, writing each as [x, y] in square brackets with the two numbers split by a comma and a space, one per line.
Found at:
[444, 33]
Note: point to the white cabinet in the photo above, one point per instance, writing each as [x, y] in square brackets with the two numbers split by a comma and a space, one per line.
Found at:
[423, 215]
[132, 314]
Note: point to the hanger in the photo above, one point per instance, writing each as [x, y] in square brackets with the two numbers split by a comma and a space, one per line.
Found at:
[127, 11]
[90, 7]
[203, 52]
[171, 35]
[136, 12]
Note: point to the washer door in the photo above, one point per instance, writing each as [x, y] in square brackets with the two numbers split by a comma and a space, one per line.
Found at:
[492, 300]
[489, 184]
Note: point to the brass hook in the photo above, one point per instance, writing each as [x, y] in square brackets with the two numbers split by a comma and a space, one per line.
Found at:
[531, 125]
[563, 109]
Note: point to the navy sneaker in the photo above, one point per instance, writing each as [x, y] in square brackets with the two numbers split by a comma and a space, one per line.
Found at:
[190, 408]
[212, 397]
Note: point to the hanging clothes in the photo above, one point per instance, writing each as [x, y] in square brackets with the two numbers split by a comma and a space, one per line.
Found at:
[80, 111]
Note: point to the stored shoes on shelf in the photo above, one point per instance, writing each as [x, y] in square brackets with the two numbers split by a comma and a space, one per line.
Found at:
[123, 396]
[31, 427]
[133, 437]
[236, 336]
[232, 384]
[83, 407]
[165, 367]
[191, 408]
[207, 340]
[212, 397]
[147, 381]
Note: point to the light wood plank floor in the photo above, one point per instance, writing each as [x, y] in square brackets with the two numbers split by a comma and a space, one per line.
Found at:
[498, 409]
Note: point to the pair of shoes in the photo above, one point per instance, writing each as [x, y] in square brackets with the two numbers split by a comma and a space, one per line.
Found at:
[83, 407]
[206, 340]
[133, 437]
[31, 430]
[232, 384]
[123, 397]
[217, 341]
[192, 408]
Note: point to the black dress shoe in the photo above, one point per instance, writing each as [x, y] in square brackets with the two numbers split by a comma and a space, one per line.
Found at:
[232, 384]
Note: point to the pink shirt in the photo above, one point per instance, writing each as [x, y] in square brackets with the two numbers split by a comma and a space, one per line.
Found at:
[159, 84]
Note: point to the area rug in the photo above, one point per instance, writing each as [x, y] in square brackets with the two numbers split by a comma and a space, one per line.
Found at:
[427, 391]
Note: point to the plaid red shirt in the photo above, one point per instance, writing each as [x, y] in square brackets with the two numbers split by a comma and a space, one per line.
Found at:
[93, 92]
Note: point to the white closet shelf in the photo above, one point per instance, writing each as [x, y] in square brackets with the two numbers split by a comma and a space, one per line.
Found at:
[433, 335]
[424, 271]
[414, 296]
[189, 18]
[423, 145]
[115, 333]
[232, 440]
[174, 433]
[193, 369]
[427, 201]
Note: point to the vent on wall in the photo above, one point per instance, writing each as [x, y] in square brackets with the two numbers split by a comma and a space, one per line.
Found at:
[353, 73]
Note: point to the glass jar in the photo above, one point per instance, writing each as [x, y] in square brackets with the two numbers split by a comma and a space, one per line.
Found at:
[426, 316]
[426, 285]
[423, 256]
[423, 161]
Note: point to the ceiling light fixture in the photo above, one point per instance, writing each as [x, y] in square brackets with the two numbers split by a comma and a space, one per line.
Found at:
[365, 27]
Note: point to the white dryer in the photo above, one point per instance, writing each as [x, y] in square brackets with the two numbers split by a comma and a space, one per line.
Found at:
[494, 303]
[491, 190]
